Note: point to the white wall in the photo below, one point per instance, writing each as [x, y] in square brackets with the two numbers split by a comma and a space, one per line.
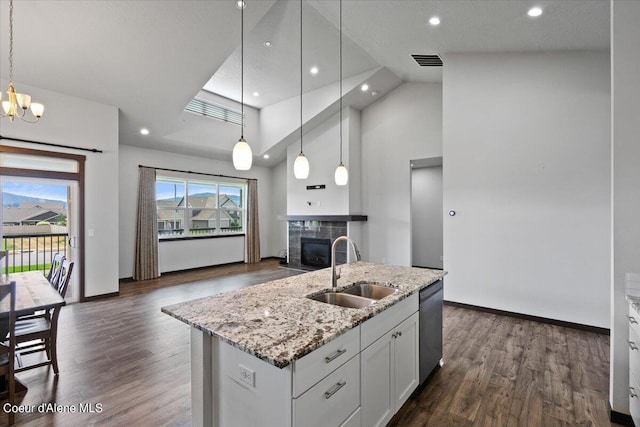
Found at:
[406, 124]
[77, 122]
[321, 146]
[278, 238]
[626, 184]
[526, 168]
[191, 253]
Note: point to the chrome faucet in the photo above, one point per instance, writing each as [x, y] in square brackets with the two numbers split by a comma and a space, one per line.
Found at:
[335, 275]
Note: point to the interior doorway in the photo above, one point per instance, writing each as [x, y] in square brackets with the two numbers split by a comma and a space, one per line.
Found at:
[427, 213]
[43, 211]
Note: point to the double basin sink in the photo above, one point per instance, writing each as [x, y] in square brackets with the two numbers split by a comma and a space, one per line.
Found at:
[360, 295]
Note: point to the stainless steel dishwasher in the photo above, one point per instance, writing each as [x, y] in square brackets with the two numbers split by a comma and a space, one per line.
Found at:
[430, 328]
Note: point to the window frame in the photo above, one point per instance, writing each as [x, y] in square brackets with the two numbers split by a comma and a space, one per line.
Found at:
[185, 206]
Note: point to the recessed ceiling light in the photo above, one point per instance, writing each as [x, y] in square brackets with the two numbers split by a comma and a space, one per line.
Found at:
[267, 43]
[534, 12]
[256, 93]
[314, 70]
[144, 131]
[241, 4]
[374, 93]
[266, 156]
[434, 20]
[364, 87]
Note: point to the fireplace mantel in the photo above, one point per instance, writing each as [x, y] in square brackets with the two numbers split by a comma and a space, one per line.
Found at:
[324, 218]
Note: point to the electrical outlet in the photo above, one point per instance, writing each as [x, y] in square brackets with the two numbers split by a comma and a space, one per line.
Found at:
[247, 376]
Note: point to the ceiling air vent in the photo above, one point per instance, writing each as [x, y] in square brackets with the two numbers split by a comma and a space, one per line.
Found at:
[428, 60]
[215, 111]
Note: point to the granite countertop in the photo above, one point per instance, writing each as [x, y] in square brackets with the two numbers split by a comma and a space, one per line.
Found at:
[276, 322]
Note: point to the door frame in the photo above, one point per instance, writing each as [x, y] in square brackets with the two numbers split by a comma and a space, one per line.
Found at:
[427, 162]
[68, 176]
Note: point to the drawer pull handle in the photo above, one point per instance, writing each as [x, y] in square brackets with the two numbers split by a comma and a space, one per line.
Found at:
[334, 389]
[632, 392]
[397, 334]
[633, 345]
[632, 320]
[335, 355]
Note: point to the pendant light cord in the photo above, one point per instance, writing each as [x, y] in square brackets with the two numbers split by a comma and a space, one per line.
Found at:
[340, 82]
[301, 77]
[11, 42]
[242, 68]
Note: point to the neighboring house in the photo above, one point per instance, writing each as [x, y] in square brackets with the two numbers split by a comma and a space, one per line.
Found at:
[202, 212]
[33, 213]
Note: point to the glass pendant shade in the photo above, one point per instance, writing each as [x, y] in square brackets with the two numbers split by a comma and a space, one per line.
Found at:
[301, 167]
[37, 109]
[242, 155]
[342, 175]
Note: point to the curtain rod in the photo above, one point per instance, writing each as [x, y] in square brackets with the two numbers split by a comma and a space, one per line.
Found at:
[198, 173]
[50, 144]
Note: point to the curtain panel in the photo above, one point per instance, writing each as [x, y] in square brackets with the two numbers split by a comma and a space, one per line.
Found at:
[252, 243]
[146, 254]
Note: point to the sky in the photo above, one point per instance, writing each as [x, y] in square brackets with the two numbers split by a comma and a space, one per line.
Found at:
[43, 191]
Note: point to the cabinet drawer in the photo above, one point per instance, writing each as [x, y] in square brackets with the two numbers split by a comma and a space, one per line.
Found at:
[354, 420]
[332, 400]
[634, 399]
[634, 354]
[634, 317]
[382, 323]
[316, 365]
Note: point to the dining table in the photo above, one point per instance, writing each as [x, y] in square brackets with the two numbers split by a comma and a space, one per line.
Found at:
[33, 293]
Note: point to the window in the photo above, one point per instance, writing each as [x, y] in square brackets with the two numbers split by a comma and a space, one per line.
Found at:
[188, 208]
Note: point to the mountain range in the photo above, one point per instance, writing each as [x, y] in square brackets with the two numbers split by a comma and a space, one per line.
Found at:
[10, 199]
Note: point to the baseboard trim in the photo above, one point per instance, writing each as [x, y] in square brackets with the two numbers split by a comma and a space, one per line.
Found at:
[99, 297]
[589, 328]
[620, 418]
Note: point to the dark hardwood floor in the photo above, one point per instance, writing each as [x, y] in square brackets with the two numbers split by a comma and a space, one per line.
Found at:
[125, 355]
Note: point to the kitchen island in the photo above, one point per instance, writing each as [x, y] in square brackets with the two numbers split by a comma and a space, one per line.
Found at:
[269, 355]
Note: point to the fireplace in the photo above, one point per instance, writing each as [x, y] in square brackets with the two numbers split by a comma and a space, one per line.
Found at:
[315, 253]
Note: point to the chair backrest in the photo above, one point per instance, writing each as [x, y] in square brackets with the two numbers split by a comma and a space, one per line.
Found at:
[8, 343]
[54, 271]
[65, 275]
[4, 257]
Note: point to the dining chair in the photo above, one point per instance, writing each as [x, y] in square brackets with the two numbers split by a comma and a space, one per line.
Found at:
[54, 270]
[8, 344]
[4, 257]
[39, 332]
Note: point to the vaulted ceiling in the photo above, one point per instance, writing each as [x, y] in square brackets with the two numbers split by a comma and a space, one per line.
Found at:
[149, 58]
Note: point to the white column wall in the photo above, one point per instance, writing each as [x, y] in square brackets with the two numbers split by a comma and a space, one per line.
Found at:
[626, 185]
[403, 125]
[526, 167]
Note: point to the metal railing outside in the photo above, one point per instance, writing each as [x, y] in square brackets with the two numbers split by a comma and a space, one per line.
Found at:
[29, 252]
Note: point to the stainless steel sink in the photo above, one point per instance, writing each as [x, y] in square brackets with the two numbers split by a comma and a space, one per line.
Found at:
[344, 300]
[370, 290]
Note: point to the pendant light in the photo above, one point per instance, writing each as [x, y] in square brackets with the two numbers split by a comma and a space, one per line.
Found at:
[242, 155]
[301, 165]
[18, 103]
[342, 174]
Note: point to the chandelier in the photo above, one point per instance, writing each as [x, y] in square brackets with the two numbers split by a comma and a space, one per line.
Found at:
[18, 103]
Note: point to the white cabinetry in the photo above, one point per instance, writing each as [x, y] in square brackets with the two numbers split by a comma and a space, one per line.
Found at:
[389, 365]
[634, 361]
